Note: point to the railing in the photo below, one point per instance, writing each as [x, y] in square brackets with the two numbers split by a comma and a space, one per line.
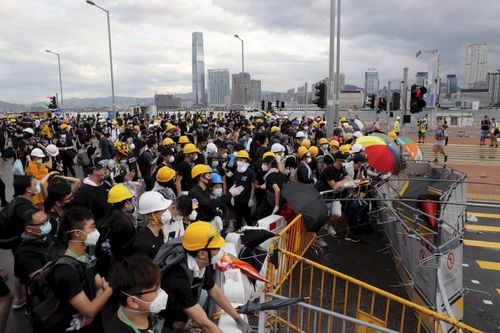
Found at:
[325, 288]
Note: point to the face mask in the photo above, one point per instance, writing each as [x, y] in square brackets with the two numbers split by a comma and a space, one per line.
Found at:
[129, 208]
[92, 238]
[224, 156]
[132, 146]
[38, 189]
[166, 217]
[325, 147]
[215, 164]
[195, 157]
[242, 166]
[286, 171]
[217, 192]
[217, 257]
[44, 229]
[155, 306]
[193, 215]
[308, 160]
[264, 167]
[171, 159]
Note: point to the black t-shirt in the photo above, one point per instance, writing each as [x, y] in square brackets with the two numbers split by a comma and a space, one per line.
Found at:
[246, 180]
[94, 198]
[329, 174]
[275, 178]
[30, 256]
[113, 324]
[184, 170]
[144, 242]
[485, 124]
[182, 293]
[121, 231]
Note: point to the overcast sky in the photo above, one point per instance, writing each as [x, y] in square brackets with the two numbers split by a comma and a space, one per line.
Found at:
[286, 42]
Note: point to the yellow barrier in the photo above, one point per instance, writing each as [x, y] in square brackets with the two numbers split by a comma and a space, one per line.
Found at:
[331, 290]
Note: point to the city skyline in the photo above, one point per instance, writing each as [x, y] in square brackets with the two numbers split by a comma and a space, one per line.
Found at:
[150, 52]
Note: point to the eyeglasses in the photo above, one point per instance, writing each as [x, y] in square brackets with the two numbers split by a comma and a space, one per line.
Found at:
[39, 224]
[156, 289]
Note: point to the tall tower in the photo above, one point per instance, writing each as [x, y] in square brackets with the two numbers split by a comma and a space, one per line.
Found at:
[476, 66]
[198, 63]
[371, 82]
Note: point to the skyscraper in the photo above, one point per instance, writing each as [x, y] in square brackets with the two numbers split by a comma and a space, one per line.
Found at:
[494, 87]
[476, 66]
[218, 86]
[237, 88]
[198, 63]
[451, 84]
[421, 79]
[371, 82]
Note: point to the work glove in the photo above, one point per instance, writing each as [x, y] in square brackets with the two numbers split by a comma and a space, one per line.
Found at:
[275, 210]
[193, 215]
[243, 325]
[236, 190]
[251, 202]
[263, 186]
[217, 221]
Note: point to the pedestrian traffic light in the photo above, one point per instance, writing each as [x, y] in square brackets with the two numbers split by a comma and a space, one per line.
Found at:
[417, 101]
[277, 104]
[371, 101]
[320, 95]
[262, 105]
[282, 105]
[53, 103]
[269, 106]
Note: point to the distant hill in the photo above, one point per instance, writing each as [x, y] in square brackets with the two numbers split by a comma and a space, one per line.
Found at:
[10, 107]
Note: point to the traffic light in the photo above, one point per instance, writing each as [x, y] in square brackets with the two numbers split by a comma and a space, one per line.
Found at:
[382, 104]
[269, 106]
[262, 105]
[282, 105]
[396, 97]
[320, 94]
[53, 103]
[371, 101]
[277, 104]
[417, 101]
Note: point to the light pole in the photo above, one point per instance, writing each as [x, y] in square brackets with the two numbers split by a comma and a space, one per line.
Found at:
[60, 77]
[110, 55]
[330, 108]
[242, 66]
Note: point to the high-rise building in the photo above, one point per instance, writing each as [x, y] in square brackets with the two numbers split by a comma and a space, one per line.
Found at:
[476, 66]
[451, 84]
[218, 86]
[494, 87]
[198, 64]
[371, 82]
[255, 91]
[237, 88]
[421, 79]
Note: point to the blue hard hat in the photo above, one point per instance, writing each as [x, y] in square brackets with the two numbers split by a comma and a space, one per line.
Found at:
[216, 178]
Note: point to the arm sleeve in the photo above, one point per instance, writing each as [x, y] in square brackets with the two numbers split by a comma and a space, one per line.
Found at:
[67, 281]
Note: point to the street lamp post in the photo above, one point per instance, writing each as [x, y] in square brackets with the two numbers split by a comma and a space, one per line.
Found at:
[242, 66]
[110, 55]
[60, 77]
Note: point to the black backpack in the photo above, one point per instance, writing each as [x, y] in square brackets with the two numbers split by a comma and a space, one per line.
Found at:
[9, 229]
[42, 304]
[171, 254]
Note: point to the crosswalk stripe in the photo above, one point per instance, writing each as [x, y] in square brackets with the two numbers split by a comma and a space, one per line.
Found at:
[487, 215]
[491, 245]
[494, 266]
[482, 228]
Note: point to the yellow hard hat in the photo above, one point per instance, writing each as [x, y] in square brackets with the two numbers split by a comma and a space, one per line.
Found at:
[199, 120]
[184, 139]
[323, 141]
[190, 148]
[268, 115]
[345, 148]
[137, 128]
[301, 151]
[165, 174]
[170, 127]
[268, 153]
[13, 120]
[119, 193]
[259, 121]
[114, 122]
[202, 235]
[275, 129]
[251, 127]
[342, 120]
[122, 148]
[64, 126]
[314, 151]
[167, 141]
[199, 169]
[334, 143]
[243, 154]
[306, 143]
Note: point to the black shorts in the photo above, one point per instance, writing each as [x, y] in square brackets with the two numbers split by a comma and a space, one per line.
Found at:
[4, 290]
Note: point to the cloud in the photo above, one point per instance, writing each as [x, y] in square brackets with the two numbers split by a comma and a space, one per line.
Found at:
[286, 42]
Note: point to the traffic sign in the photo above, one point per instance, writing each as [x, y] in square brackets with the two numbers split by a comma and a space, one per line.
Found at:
[57, 112]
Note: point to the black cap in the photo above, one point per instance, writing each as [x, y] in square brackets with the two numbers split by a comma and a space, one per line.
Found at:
[340, 155]
[100, 162]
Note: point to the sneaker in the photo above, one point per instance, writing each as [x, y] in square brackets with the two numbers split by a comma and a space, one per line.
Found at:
[331, 231]
[18, 303]
[445, 158]
[351, 238]
[321, 242]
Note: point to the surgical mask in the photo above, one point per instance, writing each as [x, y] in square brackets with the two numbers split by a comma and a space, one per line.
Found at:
[279, 157]
[217, 257]
[44, 229]
[241, 166]
[38, 189]
[224, 156]
[308, 160]
[325, 147]
[171, 159]
[195, 157]
[132, 146]
[217, 192]
[286, 171]
[156, 305]
[215, 164]
[193, 215]
[166, 217]
[264, 167]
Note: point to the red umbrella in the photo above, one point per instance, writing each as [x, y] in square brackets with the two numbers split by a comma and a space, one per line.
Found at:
[384, 158]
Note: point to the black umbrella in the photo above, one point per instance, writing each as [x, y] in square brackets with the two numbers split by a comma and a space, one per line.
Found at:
[275, 304]
[252, 238]
[306, 200]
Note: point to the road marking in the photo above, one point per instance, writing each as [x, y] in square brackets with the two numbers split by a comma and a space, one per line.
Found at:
[465, 265]
[491, 245]
[482, 228]
[487, 215]
[474, 281]
[498, 291]
[495, 266]
[487, 302]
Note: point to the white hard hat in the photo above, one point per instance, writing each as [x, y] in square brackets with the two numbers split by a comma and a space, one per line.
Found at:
[152, 201]
[211, 148]
[37, 152]
[52, 150]
[29, 130]
[356, 148]
[397, 118]
[300, 134]
[277, 147]
[357, 134]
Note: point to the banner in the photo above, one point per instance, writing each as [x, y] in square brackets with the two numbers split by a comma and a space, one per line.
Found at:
[431, 80]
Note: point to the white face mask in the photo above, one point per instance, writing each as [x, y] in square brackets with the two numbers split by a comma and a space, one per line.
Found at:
[325, 147]
[155, 306]
[264, 167]
[38, 189]
[193, 215]
[171, 159]
[224, 156]
[217, 257]
[166, 217]
[92, 238]
[278, 158]
[132, 146]
[217, 192]
[242, 166]
[308, 160]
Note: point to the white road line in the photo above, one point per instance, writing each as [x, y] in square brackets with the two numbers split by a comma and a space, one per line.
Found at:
[474, 281]
[465, 265]
[487, 302]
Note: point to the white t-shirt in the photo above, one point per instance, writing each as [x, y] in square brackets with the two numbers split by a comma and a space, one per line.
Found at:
[172, 230]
